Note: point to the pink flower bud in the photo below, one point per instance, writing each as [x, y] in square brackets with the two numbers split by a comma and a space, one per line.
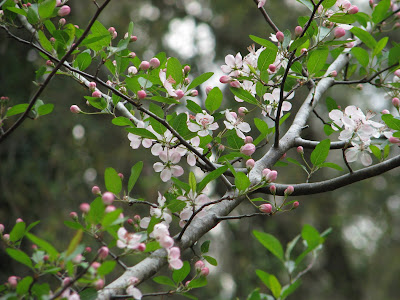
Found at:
[84, 207]
[144, 65]
[133, 38]
[141, 94]
[19, 220]
[248, 139]
[77, 259]
[1, 228]
[132, 70]
[92, 85]
[208, 89]
[199, 265]
[141, 247]
[186, 69]
[75, 109]
[235, 84]
[272, 68]
[66, 281]
[187, 283]
[88, 249]
[221, 148]
[111, 30]
[95, 190]
[95, 265]
[334, 73]
[205, 271]
[121, 176]
[385, 112]
[64, 11]
[179, 94]
[298, 30]
[194, 93]
[248, 149]
[58, 3]
[353, 10]
[349, 45]
[396, 102]
[280, 36]
[73, 215]
[110, 208]
[13, 281]
[103, 252]
[283, 156]
[46, 257]
[96, 94]
[154, 63]
[62, 22]
[34, 247]
[272, 189]
[49, 63]
[136, 218]
[108, 198]
[394, 140]
[339, 32]
[265, 208]
[224, 79]
[99, 284]
[289, 190]
[250, 163]
[265, 172]
[272, 176]
[186, 81]
[132, 55]
[6, 237]
[304, 50]
[397, 73]
[300, 150]
[242, 111]
[52, 40]
[296, 204]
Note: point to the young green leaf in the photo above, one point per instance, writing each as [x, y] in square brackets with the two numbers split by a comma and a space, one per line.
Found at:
[42, 244]
[135, 173]
[106, 267]
[199, 80]
[214, 100]
[180, 274]
[320, 153]
[211, 260]
[380, 11]
[164, 280]
[242, 182]
[244, 95]
[316, 60]
[19, 256]
[271, 282]
[112, 181]
[210, 177]
[270, 242]
[205, 247]
[311, 236]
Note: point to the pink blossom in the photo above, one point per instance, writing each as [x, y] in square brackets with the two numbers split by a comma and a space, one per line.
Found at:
[96, 94]
[261, 3]
[272, 189]
[300, 150]
[273, 102]
[132, 70]
[108, 198]
[135, 292]
[248, 149]
[266, 208]
[250, 163]
[1, 228]
[137, 140]
[205, 271]
[141, 94]
[64, 11]
[154, 62]
[99, 284]
[128, 240]
[232, 67]
[75, 109]
[280, 36]
[103, 252]
[84, 207]
[298, 30]
[168, 168]
[174, 260]
[205, 124]
[144, 65]
[224, 79]
[397, 73]
[13, 281]
[339, 32]
[199, 265]
[289, 190]
[233, 122]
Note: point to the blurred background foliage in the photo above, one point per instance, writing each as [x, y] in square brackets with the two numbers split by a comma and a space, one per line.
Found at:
[48, 166]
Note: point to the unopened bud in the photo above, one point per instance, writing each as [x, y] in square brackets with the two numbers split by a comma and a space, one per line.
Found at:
[385, 112]
[62, 21]
[186, 69]
[88, 249]
[300, 150]
[397, 73]
[298, 30]
[144, 65]
[84, 207]
[92, 85]
[199, 265]
[339, 32]
[110, 208]
[334, 73]
[248, 139]
[265, 208]
[141, 94]
[242, 111]
[224, 79]
[208, 89]
[132, 70]
[296, 204]
[194, 93]
[280, 36]
[235, 84]
[205, 271]
[108, 198]
[132, 55]
[141, 247]
[95, 190]
[73, 215]
[248, 149]
[272, 189]
[19, 220]
[353, 10]
[179, 94]
[13, 281]
[250, 163]
[154, 63]
[64, 11]
[221, 148]
[96, 94]
[99, 284]
[103, 252]
[272, 68]
[1, 228]
[289, 190]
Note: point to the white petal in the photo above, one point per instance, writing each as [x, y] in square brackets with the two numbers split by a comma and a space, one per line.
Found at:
[245, 127]
[156, 149]
[176, 171]
[176, 264]
[158, 167]
[230, 60]
[165, 175]
[366, 159]
[191, 159]
[351, 155]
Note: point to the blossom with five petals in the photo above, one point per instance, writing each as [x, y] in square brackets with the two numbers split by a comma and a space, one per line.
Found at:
[233, 122]
[205, 124]
[170, 157]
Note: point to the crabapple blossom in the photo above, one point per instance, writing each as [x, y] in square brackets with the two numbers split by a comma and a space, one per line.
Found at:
[75, 109]
[273, 101]
[266, 208]
[233, 122]
[134, 292]
[64, 11]
[160, 212]
[242, 111]
[194, 202]
[191, 157]
[205, 124]
[248, 149]
[174, 260]
[362, 149]
[232, 67]
[136, 140]
[261, 3]
[339, 32]
[170, 157]
[132, 70]
[289, 190]
[128, 240]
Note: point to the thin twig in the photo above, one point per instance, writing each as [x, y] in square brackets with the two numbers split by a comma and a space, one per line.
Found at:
[267, 18]
[241, 216]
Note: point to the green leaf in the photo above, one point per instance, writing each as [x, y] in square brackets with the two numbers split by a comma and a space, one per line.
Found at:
[361, 55]
[17, 232]
[183, 185]
[380, 46]
[394, 55]
[17, 109]
[179, 275]
[297, 43]
[42, 244]
[121, 121]
[289, 289]
[328, 130]
[364, 36]
[111, 217]
[96, 212]
[46, 44]
[328, 3]
[290, 247]
[46, 8]
[307, 3]
[210, 177]
[270, 242]
[234, 141]
[88, 294]
[82, 61]
[23, 285]
[205, 246]
[73, 225]
[331, 165]
[193, 107]
[99, 38]
[198, 282]
[320, 153]
[342, 18]
[192, 181]
[199, 80]
[311, 236]
[152, 246]
[164, 100]
[112, 181]
[266, 58]
[380, 11]
[263, 42]
[74, 242]
[19, 256]
[98, 103]
[174, 69]
[16, 10]
[33, 16]
[142, 132]
[391, 121]
[106, 267]
[214, 100]
[271, 282]
[164, 280]
[316, 60]
[40, 290]
[45, 109]
[176, 205]
[244, 95]
[242, 182]
[210, 260]
[135, 173]
[376, 151]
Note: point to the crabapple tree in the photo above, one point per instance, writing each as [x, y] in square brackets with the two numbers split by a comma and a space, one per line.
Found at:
[158, 104]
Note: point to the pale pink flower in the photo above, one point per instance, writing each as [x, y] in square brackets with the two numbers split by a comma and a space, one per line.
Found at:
[128, 240]
[359, 149]
[134, 292]
[170, 157]
[261, 3]
[233, 122]
[205, 124]
[273, 102]
[159, 212]
[136, 140]
[233, 65]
